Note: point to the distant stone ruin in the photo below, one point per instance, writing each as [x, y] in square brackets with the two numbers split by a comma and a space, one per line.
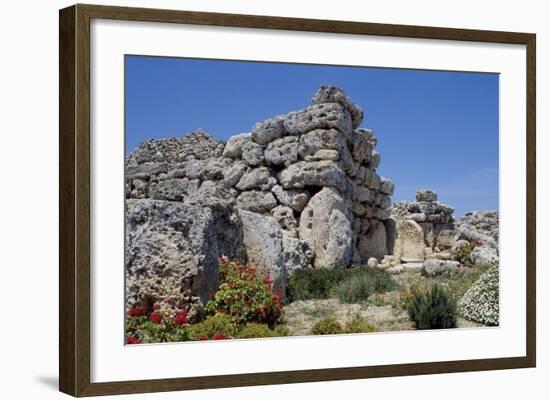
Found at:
[299, 189]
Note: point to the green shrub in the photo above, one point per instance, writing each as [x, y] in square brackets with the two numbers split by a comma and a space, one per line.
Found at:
[378, 300]
[380, 280]
[213, 326]
[245, 296]
[463, 254]
[458, 281]
[328, 325]
[358, 324]
[282, 331]
[432, 309]
[255, 330]
[354, 289]
[481, 302]
[310, 283]
[321, 283]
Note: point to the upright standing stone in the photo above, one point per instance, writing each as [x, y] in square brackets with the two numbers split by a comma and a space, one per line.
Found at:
[326, 223]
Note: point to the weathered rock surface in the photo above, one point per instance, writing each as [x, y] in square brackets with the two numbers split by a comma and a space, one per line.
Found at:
[409, 241]
[267, 131]
[256, 201]
[234, 146]
[319, 174]
[263, 240]
[471, 239]
[435, 219]
[295, 199]
[197, 145]
[326, 224]
[333, 94]
[319, 116]
[275, 253]
[283, 151]
[172, 250]
[434, 267]
[306, 186]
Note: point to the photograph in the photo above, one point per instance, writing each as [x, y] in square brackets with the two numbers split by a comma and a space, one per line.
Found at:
[270, 199]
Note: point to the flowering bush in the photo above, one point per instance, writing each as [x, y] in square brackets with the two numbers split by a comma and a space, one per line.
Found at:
[245, 296]
[163, 322]
[481, 302]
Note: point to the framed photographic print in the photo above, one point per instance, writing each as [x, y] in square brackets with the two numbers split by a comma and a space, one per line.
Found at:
[250, 200]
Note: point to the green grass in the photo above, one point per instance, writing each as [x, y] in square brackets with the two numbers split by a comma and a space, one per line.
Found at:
[349, 285]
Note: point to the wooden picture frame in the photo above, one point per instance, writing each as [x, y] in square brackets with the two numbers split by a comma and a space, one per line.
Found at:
[74, 199]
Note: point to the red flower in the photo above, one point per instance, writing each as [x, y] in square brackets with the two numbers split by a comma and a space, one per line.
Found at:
[155, 318]
[132, 340]
[220, 336]
[137, 311]
[181, 317]
[156, 307]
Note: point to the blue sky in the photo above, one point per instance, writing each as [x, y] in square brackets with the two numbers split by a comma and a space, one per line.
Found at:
[435, 129]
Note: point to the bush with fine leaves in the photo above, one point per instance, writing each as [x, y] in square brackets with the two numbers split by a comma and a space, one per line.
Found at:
[327, 325]
[348, 284]
[310, 283]
[433, 308]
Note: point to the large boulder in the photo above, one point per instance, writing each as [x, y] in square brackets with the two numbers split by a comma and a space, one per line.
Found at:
[320, 173]
[319, 116]
[326, 223]
[145, 170]
[295, 199]
[268, 130]
[252, 153]
[283, 151]
[263, 240]
[333, 94]
[426, 195]
[256, 201]
[174, 189]
[435, 267]
[233, 173]
[484, 255]
[258, 178]
[234, 146]
[173, 248]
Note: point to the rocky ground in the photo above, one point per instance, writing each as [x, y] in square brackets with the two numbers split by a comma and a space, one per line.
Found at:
[381, 310]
